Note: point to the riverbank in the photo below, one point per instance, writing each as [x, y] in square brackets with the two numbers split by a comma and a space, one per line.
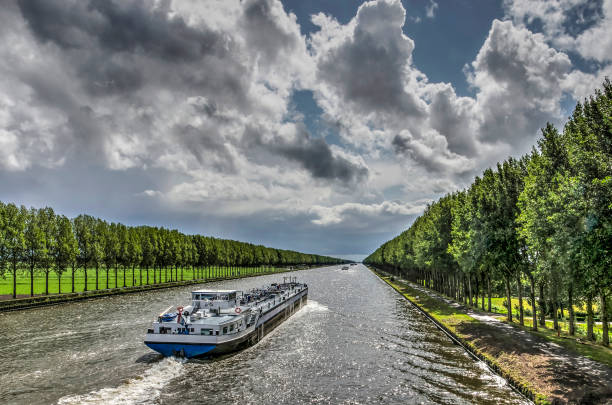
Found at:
[542, 370]
[54, 299]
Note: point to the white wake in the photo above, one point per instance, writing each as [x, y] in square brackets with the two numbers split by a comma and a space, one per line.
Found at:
[139, 390]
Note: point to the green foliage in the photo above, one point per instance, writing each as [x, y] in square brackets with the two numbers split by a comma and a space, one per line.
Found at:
[547, 216]
[40, 242]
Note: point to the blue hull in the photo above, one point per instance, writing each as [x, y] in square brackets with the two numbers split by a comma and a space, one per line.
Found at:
[174, 349]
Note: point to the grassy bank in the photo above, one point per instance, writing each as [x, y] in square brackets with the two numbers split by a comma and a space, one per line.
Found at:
[23, 279]
[213, 275]
[513, 352]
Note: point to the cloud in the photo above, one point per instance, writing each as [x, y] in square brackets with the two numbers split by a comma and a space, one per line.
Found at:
[431, 9]
[378, 99]
[519, 78]
[366, 65]
[193, 102]
[582, 26]
[359, 215]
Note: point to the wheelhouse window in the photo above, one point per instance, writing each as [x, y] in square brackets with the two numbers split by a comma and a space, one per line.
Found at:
[225, 330]
[206, 332]
[205, 297]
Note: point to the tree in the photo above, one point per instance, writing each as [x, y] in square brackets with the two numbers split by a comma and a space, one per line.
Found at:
[65, 248]
[34, 245]
[14, 239]
[84, 229]
[47, 223]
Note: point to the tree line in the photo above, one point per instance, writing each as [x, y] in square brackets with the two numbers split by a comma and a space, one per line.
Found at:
[542, 222]
[35, 241]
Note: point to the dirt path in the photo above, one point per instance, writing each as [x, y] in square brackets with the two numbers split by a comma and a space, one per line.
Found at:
[560, 373]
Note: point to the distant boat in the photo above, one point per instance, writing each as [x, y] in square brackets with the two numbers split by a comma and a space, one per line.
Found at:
[345, 267]
[222, 321]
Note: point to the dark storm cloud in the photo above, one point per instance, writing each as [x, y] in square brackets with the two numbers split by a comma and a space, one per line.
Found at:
[125, 26]
[110, 76]
[264, 32]
[431, 154]
[370, 67]
[117, 47]
[400, 145]
[313, 154]
[207, 146]
[529, 71]
[452, 118]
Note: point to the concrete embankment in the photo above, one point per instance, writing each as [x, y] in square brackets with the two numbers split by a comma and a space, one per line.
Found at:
[541, 370]
[54, 299]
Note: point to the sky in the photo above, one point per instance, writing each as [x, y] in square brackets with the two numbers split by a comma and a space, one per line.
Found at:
[321, 126]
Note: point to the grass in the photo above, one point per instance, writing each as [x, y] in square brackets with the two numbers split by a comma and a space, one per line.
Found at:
[577, 343]
[581, 327]
[23, 279]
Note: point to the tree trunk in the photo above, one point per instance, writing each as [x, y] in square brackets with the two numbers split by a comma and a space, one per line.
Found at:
[107, 275]
[47, 282]
[605, 339]
[470, 291]
[14, 280]
[555, 315]
[570, 309]
[534, 310]
[489, 291]
[483, 293]
[520, 297]
[31, 281]
[85, 271]
[542, 306]
[509, 298]
[590, 335]
[59, 283]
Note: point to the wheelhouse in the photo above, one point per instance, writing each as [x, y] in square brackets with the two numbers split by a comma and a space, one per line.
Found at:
[219, 299]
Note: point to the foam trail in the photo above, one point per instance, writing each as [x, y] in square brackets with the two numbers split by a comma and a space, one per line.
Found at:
[135, 391]
[310, 307]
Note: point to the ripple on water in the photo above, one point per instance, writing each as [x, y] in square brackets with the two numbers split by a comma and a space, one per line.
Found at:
[355, 342]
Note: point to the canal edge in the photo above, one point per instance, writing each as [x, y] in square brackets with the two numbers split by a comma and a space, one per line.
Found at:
[523, 390]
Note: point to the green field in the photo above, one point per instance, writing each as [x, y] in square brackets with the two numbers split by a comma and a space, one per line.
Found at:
[23, 279]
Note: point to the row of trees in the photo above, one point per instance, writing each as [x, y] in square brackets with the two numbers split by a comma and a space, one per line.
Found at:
[40, 241]
[543, 222]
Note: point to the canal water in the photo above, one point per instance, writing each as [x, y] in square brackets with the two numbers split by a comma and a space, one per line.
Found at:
[356, 342]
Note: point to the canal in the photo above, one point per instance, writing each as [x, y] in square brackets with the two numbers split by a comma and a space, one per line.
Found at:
[357, 341]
